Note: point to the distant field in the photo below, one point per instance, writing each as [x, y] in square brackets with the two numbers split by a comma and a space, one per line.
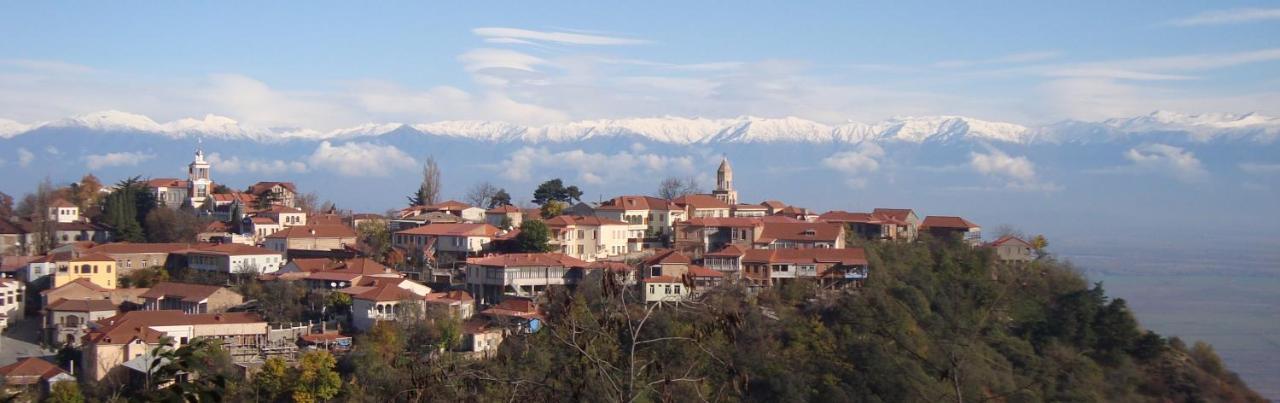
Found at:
[1228, 296]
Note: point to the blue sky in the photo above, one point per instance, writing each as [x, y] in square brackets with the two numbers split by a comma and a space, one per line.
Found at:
[329, 65]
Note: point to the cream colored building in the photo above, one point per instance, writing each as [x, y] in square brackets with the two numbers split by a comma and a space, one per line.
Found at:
[98, 268]
[589, 238]
[311, 237]
[113, 341]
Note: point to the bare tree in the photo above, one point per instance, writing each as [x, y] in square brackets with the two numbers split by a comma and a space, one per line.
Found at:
[36, 208]
[674, 187]
[481, 194]
[307, 202]
[429, 191]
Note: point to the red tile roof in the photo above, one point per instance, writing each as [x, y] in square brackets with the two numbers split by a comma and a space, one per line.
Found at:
[801, 231]
[724, 222]
[122, 328]
[93, 257]
[446, 229]
[848, 256]
[729, 250]
[82, 305]
[516, 307]
[935, 221]
[130, 248]
[504, 209]
[528, 259]
[314, 231]
[28, 371]
[900, 214]
[167, 183]
[667, 257]
[1009, 238]
[700, 202]
[567, 220]
[623, 203]
[188, 292]
[699, 271]
[261, 187]
[61, 203]
[662, 280]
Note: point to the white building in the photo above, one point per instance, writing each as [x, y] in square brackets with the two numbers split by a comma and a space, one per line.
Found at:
[490, 279]
[235, 258]
[198, 177]
[385, 299]
[589, 238]
[12, 301]
[648, 219]
[63, 211]
[458, 239]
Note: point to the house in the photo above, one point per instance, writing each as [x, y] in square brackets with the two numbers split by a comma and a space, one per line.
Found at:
[63, 211]
[234, 258]
[404, 223]
[131, 256]
[949, 227]
[665, 289]
[697, 236]
[749, 210]
[346, 273]
[875, 226]
[33, 374]
[667, 263]
[311, 237]
[13, 239]
[457, 303]
[169, 192]
[798, 213]
[830, 267]
[459, 240]
[96, 267]
[15, 267]
[284, 215]
[79, 231]
[66, 321]
[47, 265]
[359, 219]
[1011, 249]
[727, 260]
[906, 221]
[467, 212]
[490, 279]
[481, 335]
[650, 220]
[504, 217]
[588, 237]
[799, 235]
[701, 206]
[671, 276]
[281, 193]
[773, 206]
[189, 298]
[113, 341]
[259, 228]
[85, 289]
[385, 299]
[12, 301]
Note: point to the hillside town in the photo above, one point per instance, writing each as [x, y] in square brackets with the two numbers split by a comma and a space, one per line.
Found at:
[115, 276]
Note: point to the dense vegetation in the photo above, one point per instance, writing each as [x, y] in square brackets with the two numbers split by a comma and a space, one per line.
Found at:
[937, 321]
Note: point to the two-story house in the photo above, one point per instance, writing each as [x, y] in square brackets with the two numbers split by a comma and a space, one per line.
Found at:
[190, 298]
[588, 238]
[829, 267]
[460, 240]
[234, 258]
[66, 321]
[948, 227]
[492, 278]
[650, 220]
[311, 237]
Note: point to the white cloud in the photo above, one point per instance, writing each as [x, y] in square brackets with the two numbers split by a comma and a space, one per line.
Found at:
[52, 150]
[487, 58]
[129, 158]
[1232, 16]
[1024, 57]
[855, 164]
[235, 165]
[1018, 173]
[593, 168]
[1259, 168]
[25, 157]
[525, 36]
[1164, 158]
[360, 159]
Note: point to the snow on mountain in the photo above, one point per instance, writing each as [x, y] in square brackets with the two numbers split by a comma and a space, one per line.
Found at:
[682, 130]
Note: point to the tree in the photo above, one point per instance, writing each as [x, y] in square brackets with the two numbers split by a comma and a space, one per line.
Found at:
[220, 189]
[555, 190]
[429, 191]
[87, 193]
[551, 209]
[534, 237]
[499, 199]
[35, 207]
[6, 206]
[308, 202]
[1040, 243]
[375, 234]
[145, 277]
[65, 392]
[315, 379]
[672, 187]
[126, 208]
[481, 194]
[273, 380]
[172, 225]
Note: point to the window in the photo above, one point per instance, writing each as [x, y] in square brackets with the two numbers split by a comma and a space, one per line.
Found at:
[677, 289]
[108, 268]
[580, 234]
[668, 289]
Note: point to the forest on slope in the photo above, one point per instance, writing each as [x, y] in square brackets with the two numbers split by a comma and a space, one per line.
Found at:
[937, 321]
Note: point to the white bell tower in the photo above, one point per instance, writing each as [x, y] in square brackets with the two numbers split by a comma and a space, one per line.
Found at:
[198, 177]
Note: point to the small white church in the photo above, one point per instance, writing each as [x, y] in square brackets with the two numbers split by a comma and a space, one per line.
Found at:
[195, 190]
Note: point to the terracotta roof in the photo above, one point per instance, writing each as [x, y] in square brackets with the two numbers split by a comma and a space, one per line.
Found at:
[724, 222]
[1007, 239]
[448, 205]
[188, 292]
[386, 291]
[82, 305]
[610, 266]
[232, 249]
[743, 206]
[504, 209]
[263, 220]
[7, 227]
[260, 187]
[847, 217]
[93, 257]
[667, 257]
[774, 204]
[662, 280]
[129, 248]
[567, 220]
[515, 307]
[894, 213]
[699, 202]
[326, 219]
[124, 327]
[475, 325]
[450, 296]
[699, 271]
[528, 259]
[445, 229]
[802, 231]
[314, 231]
[314, 264]
[794, 211]
[167, 183]
[729, 250]
[29, 371]
[61, 203]
[848, 256]
[935, 221]
[623, 203]
[216, 226]
[82, 282]
[13, 263]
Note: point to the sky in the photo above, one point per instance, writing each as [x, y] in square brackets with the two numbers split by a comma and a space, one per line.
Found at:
[331, 65]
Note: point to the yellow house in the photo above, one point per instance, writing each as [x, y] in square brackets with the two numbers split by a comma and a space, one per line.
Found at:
[98, 268]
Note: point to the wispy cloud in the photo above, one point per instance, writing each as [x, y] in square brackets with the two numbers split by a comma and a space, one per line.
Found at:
[856, 164]
[1232, 16]
[1018, 173]
[1159, 158]
[1024, 57]
[505, 35]
[25, 157]
[360, 159]
[130, 158]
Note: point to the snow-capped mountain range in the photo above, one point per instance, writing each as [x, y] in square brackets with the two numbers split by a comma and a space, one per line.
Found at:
[682, 130]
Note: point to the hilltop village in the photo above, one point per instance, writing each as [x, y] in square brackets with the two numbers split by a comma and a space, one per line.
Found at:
[120, 277]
